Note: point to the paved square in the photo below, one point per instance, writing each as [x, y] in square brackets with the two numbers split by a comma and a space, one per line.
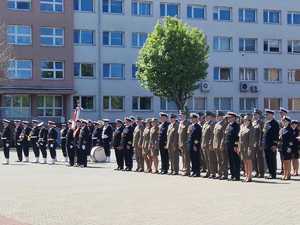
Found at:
[34, 194]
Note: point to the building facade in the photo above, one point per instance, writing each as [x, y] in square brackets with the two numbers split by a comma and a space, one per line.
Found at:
[254, 58]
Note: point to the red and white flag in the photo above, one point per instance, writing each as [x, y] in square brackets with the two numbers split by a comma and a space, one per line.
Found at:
[75, 115]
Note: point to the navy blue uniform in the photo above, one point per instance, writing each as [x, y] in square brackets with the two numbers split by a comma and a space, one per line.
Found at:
[6, 140]
[34, 133]
[18, 139]
[43, 136]
[270, 139]
[70, 146]
[231, 139]
[97, 137]
[194, 141]
[63, 134]
[25, 141]
[286, 138]
[126, 141]
[52, 144]
[162, 141]
[295, 148]
[116, 144]
[83, 144]
[107, 133]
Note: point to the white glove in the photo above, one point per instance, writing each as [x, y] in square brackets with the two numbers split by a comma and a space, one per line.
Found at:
[83, 147]
[51, 145]
[7, 145]
[104, 136]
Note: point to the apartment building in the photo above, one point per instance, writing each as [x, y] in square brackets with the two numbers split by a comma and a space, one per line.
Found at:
[39, 81]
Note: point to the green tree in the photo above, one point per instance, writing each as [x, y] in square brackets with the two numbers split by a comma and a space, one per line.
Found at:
[173, 61]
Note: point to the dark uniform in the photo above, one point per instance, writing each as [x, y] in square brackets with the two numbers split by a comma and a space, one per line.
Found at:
[194, 142]
[126, 141]
[6, 138]
[18, 139]
[63, 134]
[52, 144]
[90, 142]
[231, 138]
[34, 133]
[25, 141]
[43, 136]
[83, 143]
[107, 133]
[97, 137]
[76, 144]
[270, 139]
[162, 141]
[116, 144]
[295, 149]
[286, 139]
[70, 146]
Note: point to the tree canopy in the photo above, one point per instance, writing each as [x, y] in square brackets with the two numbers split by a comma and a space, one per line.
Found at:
[173, 61]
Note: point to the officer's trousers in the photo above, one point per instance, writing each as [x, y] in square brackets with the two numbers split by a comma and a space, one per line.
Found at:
[106, 147]
[164, 157]
[186, 159]
[174, 159]
[19, 151]
[52, 150]
[234, 162]
[258, 161]
[139, 157]
[195, 160]
[271, 159]
[222, 161]
[43, 148]
[82, 157]
[71, 154]
[35, 148]
[64, 149]
[119, 158]
[25, 148]
[6, 151]
[128, 154]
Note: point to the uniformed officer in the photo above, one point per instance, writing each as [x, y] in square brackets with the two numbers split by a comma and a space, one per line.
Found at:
[194, 142]
[183, 143]
[137, 144]
[34, 133]
[42, 141]
[218, 145]
[146, 153]
[89, 146]
[25, 140]
[286, 147]
[117, 145]
[133, 121]
[206, 145]
[52, 140]
[258, 156]
[127, 136]
[70, 145]
[231, 139]
[76, 140]
[7, 137]
[154, 144]
[97, 133]
[18, 132]
[162, 140]
[172, 144]
[295, 150]
[201, 121]
[107, 133]
[283, 112]
[83, 142]
[63, 135]
[270, 142]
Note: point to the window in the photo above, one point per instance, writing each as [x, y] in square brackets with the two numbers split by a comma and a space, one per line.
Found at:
[52, 6]
[222, 14]
[248, 104]
[272, 75]
[248, 74]
[84, 5]
[293, 18]
[84, 37]
[19, 4]
[19, 69]
[113, 70]
[15, 106]
[169, 9]
[272, 16]
[113, 38]
[167, 105]
[222, 74]
[19, 35]
[272, 46]
[272, 103]
[294, 104]
[112, 6]
[113, 103]
[223, 103]
[85, 102]
[50, 36]
[134, 70]
[196, 104]
[222, 43]
[138, 39]
[247, 15]
[142, 103]
[248, 45]
[196, 12]
[52, 69]
[141, 8]
[84, 70]
[49, 105]
[294, 76]
[294, 46]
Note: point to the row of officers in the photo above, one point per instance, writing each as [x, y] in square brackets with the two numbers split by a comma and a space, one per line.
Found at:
[216, 144]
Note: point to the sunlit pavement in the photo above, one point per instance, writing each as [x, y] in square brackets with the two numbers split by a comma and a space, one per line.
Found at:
[35, 194]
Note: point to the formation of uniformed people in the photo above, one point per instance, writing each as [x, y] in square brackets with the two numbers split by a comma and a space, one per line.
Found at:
[213, 145]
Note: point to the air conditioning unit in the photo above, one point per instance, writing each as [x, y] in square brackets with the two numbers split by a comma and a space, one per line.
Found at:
[244, 87]
[254, 89]
[205, 86]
